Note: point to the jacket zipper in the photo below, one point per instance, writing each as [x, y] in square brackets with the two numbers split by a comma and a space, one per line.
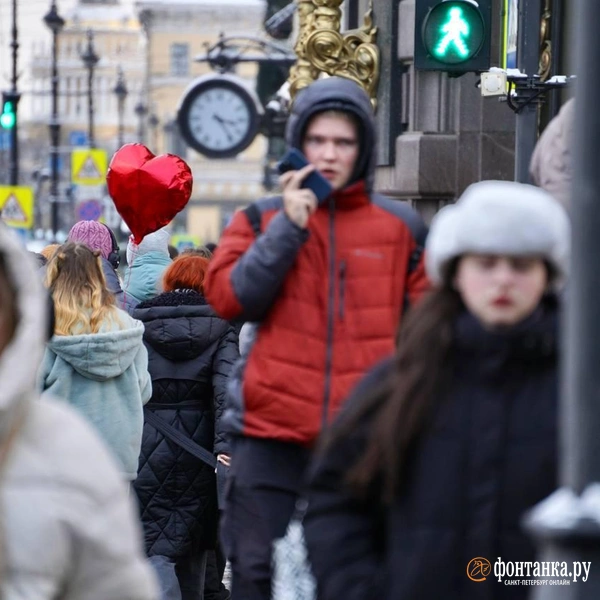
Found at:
[342, 288]
[330, 311]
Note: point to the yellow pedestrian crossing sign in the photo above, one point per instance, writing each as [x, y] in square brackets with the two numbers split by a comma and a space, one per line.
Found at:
[16, 206]
[88, 166]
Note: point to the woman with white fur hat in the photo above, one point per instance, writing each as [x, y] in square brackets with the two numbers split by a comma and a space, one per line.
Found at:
[422, 482]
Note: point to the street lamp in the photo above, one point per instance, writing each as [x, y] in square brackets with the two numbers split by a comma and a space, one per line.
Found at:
[120, 90]
[55, 23]
[90, 60]
[141, 110]
[153, 123]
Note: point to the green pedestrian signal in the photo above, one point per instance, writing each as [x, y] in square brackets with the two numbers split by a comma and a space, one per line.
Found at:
[453, 35]
[453, 32]
[8, 118]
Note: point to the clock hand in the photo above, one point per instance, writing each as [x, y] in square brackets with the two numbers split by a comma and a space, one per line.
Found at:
[221, 122]
[228, 121]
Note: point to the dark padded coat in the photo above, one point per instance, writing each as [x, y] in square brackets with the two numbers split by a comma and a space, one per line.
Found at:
[191, 351]
[489, 455]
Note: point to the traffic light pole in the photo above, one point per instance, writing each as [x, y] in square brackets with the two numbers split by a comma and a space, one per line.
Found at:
[528, 62]
[13, 166]
[567, 524]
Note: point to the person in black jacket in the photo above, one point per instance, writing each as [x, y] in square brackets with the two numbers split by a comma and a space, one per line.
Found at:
[191, 351]
[443, 447]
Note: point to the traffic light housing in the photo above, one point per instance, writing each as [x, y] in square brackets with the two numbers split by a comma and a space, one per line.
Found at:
[453, 35]
[8, 118]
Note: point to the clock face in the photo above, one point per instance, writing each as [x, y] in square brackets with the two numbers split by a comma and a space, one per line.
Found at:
[218, 118]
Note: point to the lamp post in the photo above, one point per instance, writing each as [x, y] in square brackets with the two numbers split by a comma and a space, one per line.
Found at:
[141, 110]
[120, 90]
[90, 60]
[153, 123]
[11, 103]
[55, 23]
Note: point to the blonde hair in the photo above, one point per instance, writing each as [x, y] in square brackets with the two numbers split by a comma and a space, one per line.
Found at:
[48, 251]
[82, 303]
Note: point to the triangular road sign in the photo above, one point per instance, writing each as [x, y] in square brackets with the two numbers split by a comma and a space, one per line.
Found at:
[89, 170]
[88, 166]
[12, 210]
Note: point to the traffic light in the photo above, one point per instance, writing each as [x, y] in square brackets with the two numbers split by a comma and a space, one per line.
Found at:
[8, 118]
[453, 35]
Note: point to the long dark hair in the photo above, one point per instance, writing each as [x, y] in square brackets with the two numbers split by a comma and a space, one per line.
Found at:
[400, 406]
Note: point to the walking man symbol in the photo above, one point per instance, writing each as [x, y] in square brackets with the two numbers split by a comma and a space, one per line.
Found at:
[456, 28]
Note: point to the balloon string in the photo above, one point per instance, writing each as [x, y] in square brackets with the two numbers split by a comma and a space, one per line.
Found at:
[126, 282]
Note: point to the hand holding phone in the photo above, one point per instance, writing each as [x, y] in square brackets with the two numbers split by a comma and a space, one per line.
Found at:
[294, 160]
[303, 187]
[298, 203]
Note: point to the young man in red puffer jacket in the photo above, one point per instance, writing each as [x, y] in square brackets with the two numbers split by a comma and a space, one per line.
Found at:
[329, 284]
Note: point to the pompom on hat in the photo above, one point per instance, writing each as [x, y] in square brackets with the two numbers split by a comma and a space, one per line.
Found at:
[504, 218]
[92, 234]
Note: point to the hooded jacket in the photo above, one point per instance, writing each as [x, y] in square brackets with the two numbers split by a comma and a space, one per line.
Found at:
[551, 165]
[329, 298]
[105, 376]
[143, 278]
[191, 353]
[60, 491]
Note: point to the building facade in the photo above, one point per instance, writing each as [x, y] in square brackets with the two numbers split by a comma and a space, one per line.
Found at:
[176, 34]
[438, 134]
[118, 43]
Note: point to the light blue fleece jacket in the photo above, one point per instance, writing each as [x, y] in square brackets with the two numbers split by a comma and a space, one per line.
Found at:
[143, 279]
[104, 376]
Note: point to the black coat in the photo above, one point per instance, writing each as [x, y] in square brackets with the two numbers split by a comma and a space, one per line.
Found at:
[191, 351]
[490, 454]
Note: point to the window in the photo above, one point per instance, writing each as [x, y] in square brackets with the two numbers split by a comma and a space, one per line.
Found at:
[180, 60]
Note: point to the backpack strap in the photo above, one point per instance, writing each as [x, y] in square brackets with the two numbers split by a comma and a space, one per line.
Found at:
[411, 219]
[181, 440]
[253, 215]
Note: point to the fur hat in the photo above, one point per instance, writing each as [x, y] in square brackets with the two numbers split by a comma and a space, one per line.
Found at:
[153, 242]
[500, 217]
[94, 235]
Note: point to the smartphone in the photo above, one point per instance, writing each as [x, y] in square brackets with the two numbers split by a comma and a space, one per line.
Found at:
[294, 160]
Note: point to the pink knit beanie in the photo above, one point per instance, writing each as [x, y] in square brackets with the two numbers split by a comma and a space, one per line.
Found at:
[93, 234]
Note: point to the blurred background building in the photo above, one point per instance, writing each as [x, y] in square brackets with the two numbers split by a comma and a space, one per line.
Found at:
[436, 133]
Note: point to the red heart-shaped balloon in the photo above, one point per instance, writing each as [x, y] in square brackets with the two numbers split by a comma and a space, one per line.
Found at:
[148, 191]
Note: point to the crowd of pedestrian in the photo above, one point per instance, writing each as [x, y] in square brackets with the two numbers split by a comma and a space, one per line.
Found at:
[390, 389]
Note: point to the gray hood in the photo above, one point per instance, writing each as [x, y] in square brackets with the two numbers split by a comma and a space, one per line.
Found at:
[104, 355]
[336, 93]
[552, 161]
[21, 358]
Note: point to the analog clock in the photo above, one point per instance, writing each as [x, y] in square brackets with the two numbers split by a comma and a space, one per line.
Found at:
[219, 116]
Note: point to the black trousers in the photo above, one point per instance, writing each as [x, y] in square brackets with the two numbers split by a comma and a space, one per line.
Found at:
[264, 484]
[213, 580]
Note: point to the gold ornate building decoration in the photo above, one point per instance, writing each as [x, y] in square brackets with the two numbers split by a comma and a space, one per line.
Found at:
[321, 48]
[546, 42]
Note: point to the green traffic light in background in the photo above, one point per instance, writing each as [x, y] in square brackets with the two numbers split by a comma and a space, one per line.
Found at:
[8, 118]
[454, 31]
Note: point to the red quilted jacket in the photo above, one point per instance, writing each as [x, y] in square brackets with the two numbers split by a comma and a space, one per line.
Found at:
[329, 299]
[334, 316]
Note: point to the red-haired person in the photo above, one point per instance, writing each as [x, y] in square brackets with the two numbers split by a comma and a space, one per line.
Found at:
[191, 351]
